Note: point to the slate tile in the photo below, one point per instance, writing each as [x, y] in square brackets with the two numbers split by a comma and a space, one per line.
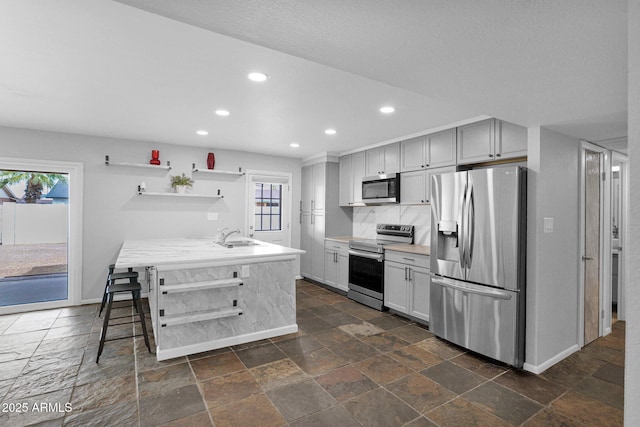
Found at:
[300, 399]
[379, 408]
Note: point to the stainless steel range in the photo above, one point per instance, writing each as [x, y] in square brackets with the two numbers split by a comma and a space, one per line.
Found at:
[366, 263]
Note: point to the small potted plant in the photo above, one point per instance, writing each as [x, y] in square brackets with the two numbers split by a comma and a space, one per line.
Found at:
[180, 183]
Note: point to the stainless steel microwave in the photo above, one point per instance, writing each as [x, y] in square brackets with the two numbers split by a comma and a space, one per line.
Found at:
[381, 189]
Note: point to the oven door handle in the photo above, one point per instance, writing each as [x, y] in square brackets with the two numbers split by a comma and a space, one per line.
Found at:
[377, 257]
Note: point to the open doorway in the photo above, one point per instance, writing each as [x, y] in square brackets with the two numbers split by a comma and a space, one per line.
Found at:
[41, 225]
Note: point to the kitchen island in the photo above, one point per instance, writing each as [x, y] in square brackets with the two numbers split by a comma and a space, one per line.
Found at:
[205, 296]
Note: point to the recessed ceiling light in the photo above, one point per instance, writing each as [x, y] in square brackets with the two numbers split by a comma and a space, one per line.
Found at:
[294, 145]
[330, 131]
[202, 132]
[222, 112]
[387, 109]
[257, 77]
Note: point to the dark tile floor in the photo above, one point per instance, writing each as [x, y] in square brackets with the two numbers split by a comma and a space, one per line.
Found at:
[347, 366]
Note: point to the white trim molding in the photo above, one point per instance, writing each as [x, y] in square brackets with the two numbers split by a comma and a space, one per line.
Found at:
[74, 267]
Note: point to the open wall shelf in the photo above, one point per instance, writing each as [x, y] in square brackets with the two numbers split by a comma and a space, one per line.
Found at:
[216, 172]
[189, 195]
[137, 165]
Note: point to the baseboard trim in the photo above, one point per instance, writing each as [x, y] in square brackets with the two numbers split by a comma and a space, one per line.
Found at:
[117, 297]
[224, 342]
[538, 369]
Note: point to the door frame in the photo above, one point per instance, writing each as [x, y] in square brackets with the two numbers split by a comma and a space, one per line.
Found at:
[624, 215]
[285, 178]
[74, 242]
[604, 325]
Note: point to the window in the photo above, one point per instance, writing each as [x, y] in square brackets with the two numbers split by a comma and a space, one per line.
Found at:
[268, 199]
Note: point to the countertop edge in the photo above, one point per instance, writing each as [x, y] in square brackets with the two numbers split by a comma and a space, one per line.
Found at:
[412, 249]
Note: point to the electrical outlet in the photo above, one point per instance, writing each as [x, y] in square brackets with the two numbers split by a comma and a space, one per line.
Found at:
[245, 271]
[212, 216]
[548, 225]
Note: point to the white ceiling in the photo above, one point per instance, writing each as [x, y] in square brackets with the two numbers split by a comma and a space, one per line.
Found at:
[100, 67]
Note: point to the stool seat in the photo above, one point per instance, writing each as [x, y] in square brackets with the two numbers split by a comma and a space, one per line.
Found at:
[123, 287]
[130, 275]
[124, 275]
[112, 289]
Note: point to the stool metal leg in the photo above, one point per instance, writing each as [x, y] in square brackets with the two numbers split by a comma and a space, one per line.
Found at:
[105, 324]
[104, 298]
[142, 322]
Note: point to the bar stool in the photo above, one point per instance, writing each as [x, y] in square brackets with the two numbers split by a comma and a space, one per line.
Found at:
[113, 289]
[131, 275]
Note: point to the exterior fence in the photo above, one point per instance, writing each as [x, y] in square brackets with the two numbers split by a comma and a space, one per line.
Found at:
[33, 223]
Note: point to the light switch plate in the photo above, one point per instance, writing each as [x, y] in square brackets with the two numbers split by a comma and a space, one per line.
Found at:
[548, 225]
[245, 271]
[212, 216]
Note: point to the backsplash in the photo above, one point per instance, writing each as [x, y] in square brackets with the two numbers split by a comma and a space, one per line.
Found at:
[365, 220]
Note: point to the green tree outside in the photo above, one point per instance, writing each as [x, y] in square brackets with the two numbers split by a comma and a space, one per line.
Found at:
[35, 182]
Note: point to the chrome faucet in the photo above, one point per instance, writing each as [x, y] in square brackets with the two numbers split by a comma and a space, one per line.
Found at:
[225, 235]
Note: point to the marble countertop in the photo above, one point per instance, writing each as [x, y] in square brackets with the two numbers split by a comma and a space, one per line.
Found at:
[342, 239]
[413, 249]
[156, 252]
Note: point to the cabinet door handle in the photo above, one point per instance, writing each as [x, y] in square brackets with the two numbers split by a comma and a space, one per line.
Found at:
[498, 155]
[409, 268]
[300, 205]
[301, 217]
[408, 259]
[427, 165]
[405, 274]
[312, 218]
[313, 204]
[491, 155]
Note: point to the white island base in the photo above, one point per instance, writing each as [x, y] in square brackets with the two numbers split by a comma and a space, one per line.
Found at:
[234, 296]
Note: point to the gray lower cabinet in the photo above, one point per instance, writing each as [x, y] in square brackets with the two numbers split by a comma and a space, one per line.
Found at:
[415, 187]
[336, 264]
[407, 279]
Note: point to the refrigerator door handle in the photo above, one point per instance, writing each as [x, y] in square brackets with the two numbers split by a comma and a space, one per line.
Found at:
[473, 289]
[471, 226]
[462, 232]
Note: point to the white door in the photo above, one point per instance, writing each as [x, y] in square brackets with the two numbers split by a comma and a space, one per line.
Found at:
[619, 212]
[41, 250]
[595, 244]
[269, 207]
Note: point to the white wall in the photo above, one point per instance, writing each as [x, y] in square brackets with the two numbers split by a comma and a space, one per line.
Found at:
[114, 213]
[632, 358]
[34, 223]
[552, 258]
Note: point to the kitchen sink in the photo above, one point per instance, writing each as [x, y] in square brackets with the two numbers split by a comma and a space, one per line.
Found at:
[239, 243]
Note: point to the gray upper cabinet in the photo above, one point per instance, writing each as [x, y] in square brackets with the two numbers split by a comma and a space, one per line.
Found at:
[490, 140]
[511, 140]
[351, 172]
[313, 188]
[434, 150]
[346, 181]
[383, 160]
[415, 187]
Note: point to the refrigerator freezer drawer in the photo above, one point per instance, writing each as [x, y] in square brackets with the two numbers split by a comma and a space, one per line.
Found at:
[486, 320]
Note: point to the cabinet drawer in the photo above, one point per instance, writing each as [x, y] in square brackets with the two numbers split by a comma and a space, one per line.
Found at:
[407, 258]
[339, 247]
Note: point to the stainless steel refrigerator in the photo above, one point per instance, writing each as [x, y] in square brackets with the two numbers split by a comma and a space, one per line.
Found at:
[478, 261]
